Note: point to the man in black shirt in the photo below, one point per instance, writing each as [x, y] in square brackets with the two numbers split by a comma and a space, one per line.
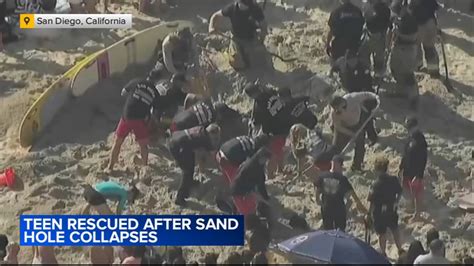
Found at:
[142, 98]
[384, 197]
[276, 112]
[203, 114]
[332, 189]
[413, 164]
[250, 178]
[377, 21]
[403, 58]
[246, 47]
[425, 14]
[230, 158]
[183, 145]
[345, 30]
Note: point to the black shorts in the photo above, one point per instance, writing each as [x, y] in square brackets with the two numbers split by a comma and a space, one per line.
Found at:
[334, 218]
[93, 197]
[382, 221]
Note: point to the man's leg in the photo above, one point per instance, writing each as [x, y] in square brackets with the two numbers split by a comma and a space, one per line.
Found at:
[393, 225]
[366, 50]
[276, 161]
[359, 152]
[122, 131]
[396, 238]
[380, 227]
[417, 194]
[186, 161]
[379, 54]
[340, 219]
[236, 55]
[328, 219]
[429, 42]
[114, 155]
[397, 68]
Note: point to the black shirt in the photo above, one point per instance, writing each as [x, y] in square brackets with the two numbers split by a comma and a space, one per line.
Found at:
[347, 22]
[244, 22]
[415, 155]
[379, 21]
[268, 112]
[424, 10]
[238, 149]
[408, 24]
[384, 194]
[333, 187]
[191, 139]
[201, 114]
[296, 111]
[170, 96]
[140, 100]
[251, 177]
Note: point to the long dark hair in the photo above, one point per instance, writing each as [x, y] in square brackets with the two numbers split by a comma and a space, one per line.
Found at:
[415, 250]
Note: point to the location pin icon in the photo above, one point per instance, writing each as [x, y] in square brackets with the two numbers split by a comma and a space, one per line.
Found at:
[26, 20]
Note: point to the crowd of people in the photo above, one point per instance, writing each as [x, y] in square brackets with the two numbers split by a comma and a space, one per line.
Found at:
[399, 34]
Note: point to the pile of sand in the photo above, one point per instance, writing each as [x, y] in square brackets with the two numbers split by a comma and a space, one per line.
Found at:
[75, 149]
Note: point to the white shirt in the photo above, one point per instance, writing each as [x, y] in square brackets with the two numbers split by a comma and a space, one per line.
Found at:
[351, 115]
[430, 259]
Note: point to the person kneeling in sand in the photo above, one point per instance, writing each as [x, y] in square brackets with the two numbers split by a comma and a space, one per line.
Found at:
[313, 156]
[97, 197]
[183, 146]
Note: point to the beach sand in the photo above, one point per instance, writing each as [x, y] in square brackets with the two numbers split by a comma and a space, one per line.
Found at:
[75, 148]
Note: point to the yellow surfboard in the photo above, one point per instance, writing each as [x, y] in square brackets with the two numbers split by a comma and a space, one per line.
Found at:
[113, 60]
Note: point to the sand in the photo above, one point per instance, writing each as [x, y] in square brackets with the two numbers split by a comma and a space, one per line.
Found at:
[74, 150]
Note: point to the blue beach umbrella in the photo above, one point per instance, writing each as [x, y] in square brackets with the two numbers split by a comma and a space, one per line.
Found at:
[331, 247]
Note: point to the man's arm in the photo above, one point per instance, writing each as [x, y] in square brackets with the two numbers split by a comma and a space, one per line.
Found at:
[366, 95]
[318, 196]
[167, 49]
[215, 20]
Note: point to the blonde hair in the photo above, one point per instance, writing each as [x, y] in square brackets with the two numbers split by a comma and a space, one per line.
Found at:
[381, 163]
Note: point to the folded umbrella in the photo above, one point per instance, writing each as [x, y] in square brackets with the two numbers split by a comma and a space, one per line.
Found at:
[331, 247]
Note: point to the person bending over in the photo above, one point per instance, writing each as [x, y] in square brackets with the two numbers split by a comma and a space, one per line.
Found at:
[183, 145]
[97, 197]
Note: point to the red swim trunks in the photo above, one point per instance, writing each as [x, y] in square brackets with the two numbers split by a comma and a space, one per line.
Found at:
[244, 204]
[415, 187]
[276, 147]
[139, 128]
